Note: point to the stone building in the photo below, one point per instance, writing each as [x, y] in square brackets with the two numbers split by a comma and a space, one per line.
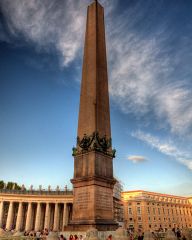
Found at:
[35, 210]
[38, 209]
[26, 210]
[149, 210]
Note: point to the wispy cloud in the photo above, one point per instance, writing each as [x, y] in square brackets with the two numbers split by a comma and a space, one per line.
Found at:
[150, 64]
[150, 71]
[137, 159]
[48, 24]
[166, 147]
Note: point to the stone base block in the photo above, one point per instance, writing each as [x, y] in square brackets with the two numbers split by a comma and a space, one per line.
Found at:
[121, 234]
[2, 232]
[53, 236]
[148, 236]
[170, 235]
[86, 225]
[92, 234]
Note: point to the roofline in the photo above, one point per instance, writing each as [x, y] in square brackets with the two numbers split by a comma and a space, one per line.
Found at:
[156, 193]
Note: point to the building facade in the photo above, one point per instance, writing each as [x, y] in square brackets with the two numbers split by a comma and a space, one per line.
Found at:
[152, 211]
[23, 210]
[28, 210]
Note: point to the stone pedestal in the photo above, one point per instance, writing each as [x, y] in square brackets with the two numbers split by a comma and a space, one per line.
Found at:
[92, 234]
[186, 232]
[53, 236]
[2, 232]
[18, 234]
[170, 235]
[121, 234]
[148, 236]
[94, 204]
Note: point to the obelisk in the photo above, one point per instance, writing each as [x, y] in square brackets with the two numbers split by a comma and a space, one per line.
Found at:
[93, 180]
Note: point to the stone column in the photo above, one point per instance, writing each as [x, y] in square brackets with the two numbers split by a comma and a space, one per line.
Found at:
[65, 215]
[19, 217]
[56, 217]
[9, 222]
[29, 217]
[38, 217]
[47, 216]
[1, 213]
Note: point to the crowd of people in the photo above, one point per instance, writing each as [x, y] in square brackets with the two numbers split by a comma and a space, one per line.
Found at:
[132, 234]
[179, 233]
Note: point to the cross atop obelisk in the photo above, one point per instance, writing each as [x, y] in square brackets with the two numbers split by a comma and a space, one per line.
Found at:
[93, 156]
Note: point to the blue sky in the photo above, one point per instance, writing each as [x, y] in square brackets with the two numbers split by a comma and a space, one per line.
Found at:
[150, 82]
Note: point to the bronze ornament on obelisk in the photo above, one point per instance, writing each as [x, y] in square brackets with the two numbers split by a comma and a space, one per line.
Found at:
[93, 179]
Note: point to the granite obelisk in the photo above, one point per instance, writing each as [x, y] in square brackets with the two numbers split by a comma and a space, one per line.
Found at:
[93, 180]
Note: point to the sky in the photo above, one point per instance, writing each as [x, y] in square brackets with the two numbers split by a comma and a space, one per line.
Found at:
[150, 84]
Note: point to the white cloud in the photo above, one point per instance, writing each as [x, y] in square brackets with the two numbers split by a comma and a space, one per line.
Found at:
[142, 70]
[137, 159]
[57, 25]
[147, 77]
[166, 147]
[48, 24]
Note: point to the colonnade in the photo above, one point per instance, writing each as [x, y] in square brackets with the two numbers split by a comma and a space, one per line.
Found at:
[27, 216]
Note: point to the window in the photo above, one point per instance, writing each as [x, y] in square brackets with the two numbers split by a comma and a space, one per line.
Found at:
[130, 219]
[130, 211]
[138, 210]
[139, 218]
[159, 211]
[138, 203]
[148, 210]
[153, 210]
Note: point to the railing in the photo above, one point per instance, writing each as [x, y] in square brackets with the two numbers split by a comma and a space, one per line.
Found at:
[37, 192]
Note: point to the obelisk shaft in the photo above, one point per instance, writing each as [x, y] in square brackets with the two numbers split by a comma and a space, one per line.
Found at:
[94, 113]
